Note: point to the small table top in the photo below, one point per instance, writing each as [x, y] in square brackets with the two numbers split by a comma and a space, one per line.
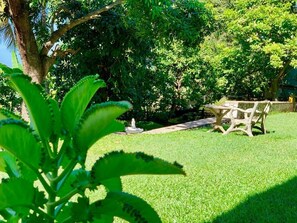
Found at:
[219, 107]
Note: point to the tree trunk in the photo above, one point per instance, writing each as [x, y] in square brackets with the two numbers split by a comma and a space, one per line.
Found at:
[36, 63]
[274, 87]
[26, 42]
[271, 94]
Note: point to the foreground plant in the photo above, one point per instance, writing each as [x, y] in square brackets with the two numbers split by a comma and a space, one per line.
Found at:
[45, 159]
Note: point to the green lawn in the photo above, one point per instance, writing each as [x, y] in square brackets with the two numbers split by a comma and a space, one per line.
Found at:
[231, 178]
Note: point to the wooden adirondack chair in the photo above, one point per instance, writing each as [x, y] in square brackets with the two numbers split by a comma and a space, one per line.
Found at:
[251, 118]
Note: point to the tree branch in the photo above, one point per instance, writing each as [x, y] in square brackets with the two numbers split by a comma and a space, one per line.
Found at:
[50, 60]
[283, 72]
[64, 29]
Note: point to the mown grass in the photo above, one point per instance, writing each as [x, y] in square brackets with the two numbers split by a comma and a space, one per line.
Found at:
[231, 178]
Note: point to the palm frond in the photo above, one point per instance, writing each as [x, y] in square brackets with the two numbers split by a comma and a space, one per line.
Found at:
[7, 34]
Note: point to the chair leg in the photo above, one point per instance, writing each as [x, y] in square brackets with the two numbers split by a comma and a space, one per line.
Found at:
[249, 130]
[231, 127]
[263, 128]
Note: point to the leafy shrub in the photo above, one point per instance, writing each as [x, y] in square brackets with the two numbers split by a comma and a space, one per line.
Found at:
[8, 98]
[45, 159]
[150, 61]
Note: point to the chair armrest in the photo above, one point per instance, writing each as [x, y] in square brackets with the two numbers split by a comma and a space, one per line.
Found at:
[259, 112]
[249, 110]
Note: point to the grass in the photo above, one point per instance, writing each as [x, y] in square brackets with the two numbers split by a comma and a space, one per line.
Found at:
[231, 178]
[148, 125]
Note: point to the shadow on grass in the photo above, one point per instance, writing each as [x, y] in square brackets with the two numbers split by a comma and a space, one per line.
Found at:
[278, 204]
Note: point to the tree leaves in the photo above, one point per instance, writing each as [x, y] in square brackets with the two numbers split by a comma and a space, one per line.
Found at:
[249, 33]
[80, 210]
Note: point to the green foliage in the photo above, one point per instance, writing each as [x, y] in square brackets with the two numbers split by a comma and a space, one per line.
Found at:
[78, 100]
[254, 46]
[39, 111]
[8, 98]
[128, 48]
[45, 165]
[187, 77]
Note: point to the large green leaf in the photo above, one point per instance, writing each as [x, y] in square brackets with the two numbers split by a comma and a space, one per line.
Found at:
[15, 169]
[55, 116]
[116, 164]
[99, 121]
[81, 179]
[104, 219]
[77, 99]
[7, 70]
[112, 184]
[10, 216]
[17, 138]
[65, 214]
[78, 178]
[80, 210]
[3, 164]
[38, 107]
[5, 114]
[125, 206]
[19, 194]
[8, 164]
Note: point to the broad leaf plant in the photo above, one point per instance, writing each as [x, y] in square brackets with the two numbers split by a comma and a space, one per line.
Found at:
[43, 161]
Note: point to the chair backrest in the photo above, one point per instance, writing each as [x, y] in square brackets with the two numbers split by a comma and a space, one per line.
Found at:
[263, 112]
[267, 107]
[253, 111]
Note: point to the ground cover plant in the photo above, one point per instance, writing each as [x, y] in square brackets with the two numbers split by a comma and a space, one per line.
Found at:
[232, 178]
[47, 179]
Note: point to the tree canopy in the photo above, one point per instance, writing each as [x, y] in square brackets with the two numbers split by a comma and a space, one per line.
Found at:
[254, 46]
[39, 25]
[161, 55]
[152, 62]
[118, 41]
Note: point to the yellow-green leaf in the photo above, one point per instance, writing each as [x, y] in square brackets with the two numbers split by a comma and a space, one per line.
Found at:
[77, 99]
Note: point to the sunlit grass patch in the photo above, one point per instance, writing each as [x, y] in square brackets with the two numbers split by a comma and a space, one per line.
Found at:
[232, 178]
